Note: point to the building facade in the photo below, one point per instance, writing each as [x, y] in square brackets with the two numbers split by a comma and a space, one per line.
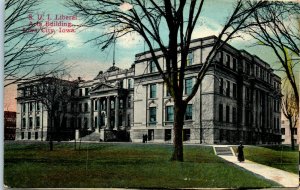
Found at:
[238, 100]
[9, 125]
[286, 132]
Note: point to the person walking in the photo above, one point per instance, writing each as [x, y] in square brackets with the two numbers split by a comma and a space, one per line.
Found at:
[241, 157]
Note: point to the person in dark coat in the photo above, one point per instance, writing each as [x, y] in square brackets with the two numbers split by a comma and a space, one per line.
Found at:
[241, 157]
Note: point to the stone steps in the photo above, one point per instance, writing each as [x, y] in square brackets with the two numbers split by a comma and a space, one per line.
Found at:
[223, 150]
[91, 137]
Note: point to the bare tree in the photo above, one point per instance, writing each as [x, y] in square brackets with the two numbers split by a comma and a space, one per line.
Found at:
[148, 19]
[277, 27]
[290, 111]
[54, 93]
[26, 46]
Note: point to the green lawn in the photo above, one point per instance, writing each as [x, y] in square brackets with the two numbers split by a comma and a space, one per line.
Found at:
[277, 156]
[120, 165]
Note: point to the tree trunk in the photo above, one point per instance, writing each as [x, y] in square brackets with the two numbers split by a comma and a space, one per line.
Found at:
[292, 134]
[51, 133]
[179, 111]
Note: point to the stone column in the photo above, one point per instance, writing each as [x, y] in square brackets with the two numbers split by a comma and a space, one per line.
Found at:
[116, 113]
[92, 114]
[99, 114]
[108, 111]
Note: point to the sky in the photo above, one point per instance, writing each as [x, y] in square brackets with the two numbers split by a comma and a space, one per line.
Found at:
[87, 59]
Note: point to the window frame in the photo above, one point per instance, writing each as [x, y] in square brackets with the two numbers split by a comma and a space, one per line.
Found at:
[188, 86]
[189, 116]
[152, 114]
[153, 91]
[190, 58]
[169, 113]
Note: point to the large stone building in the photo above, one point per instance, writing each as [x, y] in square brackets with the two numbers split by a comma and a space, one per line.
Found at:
[238, 100]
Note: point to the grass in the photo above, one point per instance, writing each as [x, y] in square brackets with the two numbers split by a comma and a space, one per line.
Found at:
[277, 156]
[120, 165]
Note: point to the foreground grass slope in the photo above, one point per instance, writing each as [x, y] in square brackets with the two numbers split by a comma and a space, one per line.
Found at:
[120, 165]
[279, 156]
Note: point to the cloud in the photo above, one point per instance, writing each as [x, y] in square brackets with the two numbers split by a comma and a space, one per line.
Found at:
[208, 27]
[129, 40]
[71, 39]
[125, 6]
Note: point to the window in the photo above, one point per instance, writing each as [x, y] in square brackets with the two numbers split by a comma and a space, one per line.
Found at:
[80, 107]
[121, 104]
[72, 122]
[79, 122]
[128, 120]
[221, 112]
[30, 106]
[168, 134]
[228, 60]
[36, 136]
[112, 104]
[24, 107]
[152, 66]
[150, 134]
[96, 121]
[188, 86]
[247, 119]
[152, 115]
[103, 104]
[22, 135]
[283, 131]
[85, 120]
[24, 123]
[80, 92]
[247, 93]
[189, 112]
[37, 122]
[234, 90]
[169, 113]
[37, 106]
[233, 115]
[29, 135]
[96, 105]
[64, 106]
[221, 86]
[186, 134]
[294, 131]
[129, 102]
[129, 84]
[227, 114]
[86, 107]
[228, 89]
[234, 64]
[190, 59]
[86, 91]
[153, 91]
[30, 123]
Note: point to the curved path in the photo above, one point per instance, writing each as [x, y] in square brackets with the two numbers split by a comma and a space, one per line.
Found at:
[284, 178]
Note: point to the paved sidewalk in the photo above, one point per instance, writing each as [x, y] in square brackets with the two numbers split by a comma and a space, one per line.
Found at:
[286, 179]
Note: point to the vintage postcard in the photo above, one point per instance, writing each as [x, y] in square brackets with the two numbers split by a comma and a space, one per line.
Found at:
[146, 94]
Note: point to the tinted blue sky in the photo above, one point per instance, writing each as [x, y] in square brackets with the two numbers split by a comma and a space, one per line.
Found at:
[89, 59]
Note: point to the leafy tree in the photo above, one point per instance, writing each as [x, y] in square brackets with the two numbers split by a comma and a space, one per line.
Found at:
[149, 19]
[290, 111]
